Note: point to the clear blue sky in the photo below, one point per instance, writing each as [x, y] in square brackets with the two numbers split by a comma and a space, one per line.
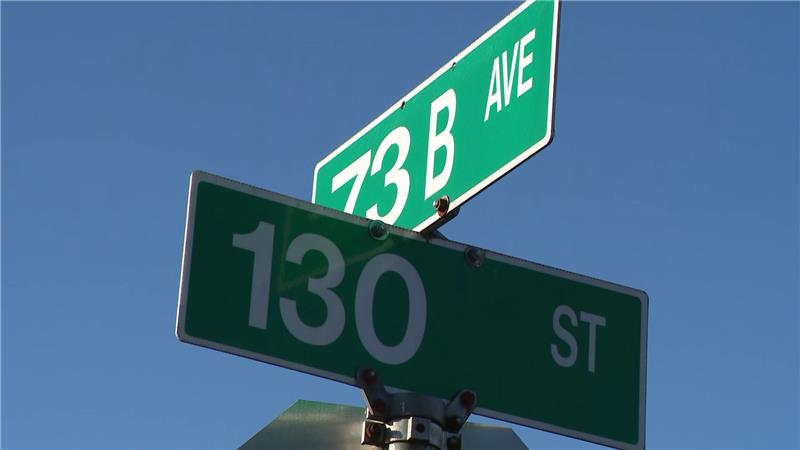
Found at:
[674, 169]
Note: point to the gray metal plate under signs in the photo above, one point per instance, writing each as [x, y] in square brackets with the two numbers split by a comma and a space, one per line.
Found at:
[309, 425]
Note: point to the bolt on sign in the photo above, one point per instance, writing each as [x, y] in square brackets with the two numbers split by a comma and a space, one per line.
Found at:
[309, 288]
[479, 116]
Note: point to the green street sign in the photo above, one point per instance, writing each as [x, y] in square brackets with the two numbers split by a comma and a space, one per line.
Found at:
[316, 290]
[483, 113]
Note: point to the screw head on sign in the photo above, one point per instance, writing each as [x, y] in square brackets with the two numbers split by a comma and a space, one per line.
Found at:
[454, 443]
[378, 230]
[468, 399]
[442, 205]
[475, 257]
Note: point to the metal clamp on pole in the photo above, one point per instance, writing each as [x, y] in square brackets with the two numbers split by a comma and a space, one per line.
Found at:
[409, 421]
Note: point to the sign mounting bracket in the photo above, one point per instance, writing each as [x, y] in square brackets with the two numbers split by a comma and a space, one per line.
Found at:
[411, 421]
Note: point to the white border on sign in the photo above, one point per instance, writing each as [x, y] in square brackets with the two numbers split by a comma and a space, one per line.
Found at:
[198, 177]
[522, 157]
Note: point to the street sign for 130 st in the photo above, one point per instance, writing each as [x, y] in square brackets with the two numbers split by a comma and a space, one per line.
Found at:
[313, 289]
[479, 116]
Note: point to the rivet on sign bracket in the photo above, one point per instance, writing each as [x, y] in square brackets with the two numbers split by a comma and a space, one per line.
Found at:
[378, 230]
[475, 256]
[442, 207]
[409, 419]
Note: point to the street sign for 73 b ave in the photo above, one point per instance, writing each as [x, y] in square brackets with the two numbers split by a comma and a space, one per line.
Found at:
[483, 113]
